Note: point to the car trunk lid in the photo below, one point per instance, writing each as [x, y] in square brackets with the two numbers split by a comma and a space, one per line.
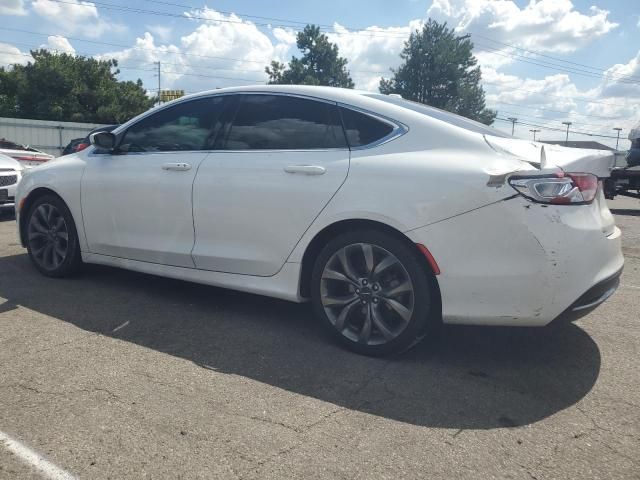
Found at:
[597, 162]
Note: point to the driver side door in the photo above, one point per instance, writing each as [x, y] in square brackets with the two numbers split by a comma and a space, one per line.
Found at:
[136, 201]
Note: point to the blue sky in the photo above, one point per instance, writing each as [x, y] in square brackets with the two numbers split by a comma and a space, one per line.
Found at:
[543, 61]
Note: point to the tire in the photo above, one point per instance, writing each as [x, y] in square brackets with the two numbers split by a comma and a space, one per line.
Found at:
[51, 237]
[373, 292]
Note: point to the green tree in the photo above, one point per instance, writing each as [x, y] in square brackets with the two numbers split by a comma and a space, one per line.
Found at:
[439, 69]
[66, 87]
[320, 63]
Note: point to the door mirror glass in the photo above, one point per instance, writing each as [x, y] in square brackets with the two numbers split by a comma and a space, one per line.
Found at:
[104, 140]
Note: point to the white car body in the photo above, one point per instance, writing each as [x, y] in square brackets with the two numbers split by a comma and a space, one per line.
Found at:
[10, 174]
[244, 219]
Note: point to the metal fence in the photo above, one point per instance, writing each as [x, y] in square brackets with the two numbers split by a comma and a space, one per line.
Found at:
[48, 136]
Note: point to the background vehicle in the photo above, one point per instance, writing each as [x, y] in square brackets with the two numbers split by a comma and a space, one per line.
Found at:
[79, 144]
[10, 174]
[625, 175]
[27, 156]
[72, 146]
[390, 216]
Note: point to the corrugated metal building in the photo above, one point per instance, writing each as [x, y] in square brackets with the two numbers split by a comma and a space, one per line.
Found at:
[48, 136]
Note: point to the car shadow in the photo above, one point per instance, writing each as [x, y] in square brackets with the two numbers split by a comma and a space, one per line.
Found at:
[470, 377]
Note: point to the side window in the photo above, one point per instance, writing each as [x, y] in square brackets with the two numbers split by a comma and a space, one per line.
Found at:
[362, 129]
[280, 122]
[191, 125]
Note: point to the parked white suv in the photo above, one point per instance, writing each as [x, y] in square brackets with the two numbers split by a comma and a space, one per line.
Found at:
[389, 216]
[10, 173]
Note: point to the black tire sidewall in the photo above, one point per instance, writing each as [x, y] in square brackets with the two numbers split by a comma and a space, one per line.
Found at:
[422, 318]
[73, 260]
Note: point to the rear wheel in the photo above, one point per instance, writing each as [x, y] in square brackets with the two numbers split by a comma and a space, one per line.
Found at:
[373, 292]
[52, 240]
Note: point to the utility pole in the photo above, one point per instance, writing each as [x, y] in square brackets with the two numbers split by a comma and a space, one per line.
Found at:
[513, 124]
[159, 82]
[534, 131]
[618, 129]
[568, 124]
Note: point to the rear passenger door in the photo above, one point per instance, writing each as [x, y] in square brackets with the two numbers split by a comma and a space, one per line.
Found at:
[277, 164]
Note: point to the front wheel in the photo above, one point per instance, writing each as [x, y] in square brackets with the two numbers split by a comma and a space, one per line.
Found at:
[373, 292]
[52, 240]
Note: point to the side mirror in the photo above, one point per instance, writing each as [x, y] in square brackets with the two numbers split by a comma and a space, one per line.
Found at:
[105, 140]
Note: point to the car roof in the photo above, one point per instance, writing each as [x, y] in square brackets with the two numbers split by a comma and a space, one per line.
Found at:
[329, 93]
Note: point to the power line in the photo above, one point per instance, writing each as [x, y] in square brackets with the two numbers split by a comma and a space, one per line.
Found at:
[355, 31]
[163, 51]
[129, 47]
[564, 97]
[597, 125]
[560, 68]
[578, 132]
[534, 107]
[534, 52]
[138, 68]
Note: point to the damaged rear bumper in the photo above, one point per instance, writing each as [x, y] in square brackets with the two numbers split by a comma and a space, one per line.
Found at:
[591, 299]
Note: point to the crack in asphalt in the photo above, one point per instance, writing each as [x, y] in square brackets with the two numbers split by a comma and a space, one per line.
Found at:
[64, 394]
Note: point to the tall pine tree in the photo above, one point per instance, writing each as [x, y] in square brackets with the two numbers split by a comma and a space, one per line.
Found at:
[439, 69]
[320, 63]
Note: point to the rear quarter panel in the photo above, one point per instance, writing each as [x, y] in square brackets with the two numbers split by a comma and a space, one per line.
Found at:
[407, 185]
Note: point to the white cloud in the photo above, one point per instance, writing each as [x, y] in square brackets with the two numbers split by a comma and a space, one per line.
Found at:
[372, 52]
[12, 7]
[75, 16]
[215, 54]
[143, 54]
[623, 79]
[58, 43]
[10, 55]
[553, 99]
[543, 25]
[286, 43]
[241, 49]
[161, 32]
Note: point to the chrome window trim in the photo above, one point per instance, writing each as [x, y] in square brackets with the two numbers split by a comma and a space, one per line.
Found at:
[227, 151]
[224, 94]
[399, 128]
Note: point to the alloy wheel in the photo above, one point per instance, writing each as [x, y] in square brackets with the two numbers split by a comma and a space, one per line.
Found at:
[367, 294]
[48, 236]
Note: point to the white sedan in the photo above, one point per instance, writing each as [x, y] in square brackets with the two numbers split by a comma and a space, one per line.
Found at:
[390, 216]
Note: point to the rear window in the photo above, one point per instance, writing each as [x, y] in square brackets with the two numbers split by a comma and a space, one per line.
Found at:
[362, 129]
[443, 115]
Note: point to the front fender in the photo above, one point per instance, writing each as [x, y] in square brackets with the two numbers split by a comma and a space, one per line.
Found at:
[61, 177]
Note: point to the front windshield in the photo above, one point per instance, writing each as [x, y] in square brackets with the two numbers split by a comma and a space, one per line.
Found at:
[438, 114]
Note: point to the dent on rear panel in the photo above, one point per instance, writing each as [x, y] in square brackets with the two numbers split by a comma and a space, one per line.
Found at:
[502, 258]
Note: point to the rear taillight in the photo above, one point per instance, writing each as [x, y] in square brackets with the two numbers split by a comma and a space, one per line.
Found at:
[559, 189]
[81, 146]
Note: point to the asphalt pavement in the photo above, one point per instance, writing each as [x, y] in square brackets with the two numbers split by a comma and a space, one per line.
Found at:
[122, 375]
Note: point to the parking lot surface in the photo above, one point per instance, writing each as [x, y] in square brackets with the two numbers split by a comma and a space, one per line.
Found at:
[121, 375]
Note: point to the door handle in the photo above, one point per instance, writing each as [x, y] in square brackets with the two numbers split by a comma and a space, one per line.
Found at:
[178, 167]
[305, 169]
